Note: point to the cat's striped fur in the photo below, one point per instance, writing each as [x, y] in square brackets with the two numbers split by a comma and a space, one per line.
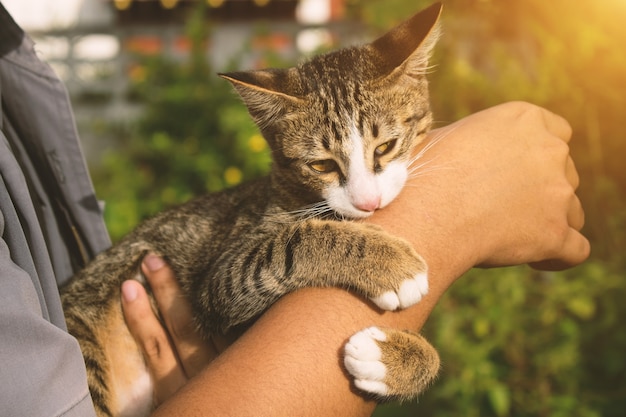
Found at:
[342, 128]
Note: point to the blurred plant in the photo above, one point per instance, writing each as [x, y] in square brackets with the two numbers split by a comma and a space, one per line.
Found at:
[194, 136]
[518, 342]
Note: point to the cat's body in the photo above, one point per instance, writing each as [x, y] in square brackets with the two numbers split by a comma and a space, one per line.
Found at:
[342, 129]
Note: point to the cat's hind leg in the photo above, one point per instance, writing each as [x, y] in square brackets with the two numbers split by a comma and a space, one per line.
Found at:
[391, 364]
[130, 384]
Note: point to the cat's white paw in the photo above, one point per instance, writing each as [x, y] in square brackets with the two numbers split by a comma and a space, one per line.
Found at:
[363, 360]
[410, 292]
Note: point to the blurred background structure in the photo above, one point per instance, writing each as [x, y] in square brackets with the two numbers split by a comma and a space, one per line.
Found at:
[96, 46]
[159, 127]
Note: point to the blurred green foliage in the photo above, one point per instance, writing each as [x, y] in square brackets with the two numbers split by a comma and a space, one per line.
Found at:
[518, 342]
[514, 341]
[194, 136]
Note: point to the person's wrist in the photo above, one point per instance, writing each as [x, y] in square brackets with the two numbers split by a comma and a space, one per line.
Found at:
[429, 215]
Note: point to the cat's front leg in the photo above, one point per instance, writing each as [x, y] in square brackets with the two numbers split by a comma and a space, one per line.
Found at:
[391, 364]
[252, 274]
[360, 257]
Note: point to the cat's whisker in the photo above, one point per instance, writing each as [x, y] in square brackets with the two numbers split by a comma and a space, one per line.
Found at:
[425, 166]
[430, 69]
[441, 135]
[300, 216]
[419, 160]
[420, 173]
[316, 210]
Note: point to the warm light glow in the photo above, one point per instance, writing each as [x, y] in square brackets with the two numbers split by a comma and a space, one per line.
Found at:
[261, 3]
[97, 47]
[313, 11]
[215, 3]
[311, 40]
[122, 4]
[169, 4]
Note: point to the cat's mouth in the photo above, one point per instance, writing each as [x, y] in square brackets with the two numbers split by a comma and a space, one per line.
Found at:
[354, 213]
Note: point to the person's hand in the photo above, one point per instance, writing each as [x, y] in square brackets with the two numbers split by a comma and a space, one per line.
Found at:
[541, 216]
[497, 188]
[173, 353]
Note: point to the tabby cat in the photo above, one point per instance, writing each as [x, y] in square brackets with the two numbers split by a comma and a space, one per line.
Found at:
[342, 129]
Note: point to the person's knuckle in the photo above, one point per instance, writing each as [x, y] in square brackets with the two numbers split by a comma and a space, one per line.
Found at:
[558, 237]
[523, 109]
[153, 346]
[561, 148]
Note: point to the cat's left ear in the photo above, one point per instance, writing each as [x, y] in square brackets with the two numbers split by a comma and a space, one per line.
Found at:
[267, 93]
[408, 46]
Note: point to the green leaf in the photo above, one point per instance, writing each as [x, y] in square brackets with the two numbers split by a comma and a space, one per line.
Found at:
[500, 399]
[582, 307]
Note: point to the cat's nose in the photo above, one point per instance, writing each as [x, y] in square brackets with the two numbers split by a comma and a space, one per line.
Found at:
[371, 204]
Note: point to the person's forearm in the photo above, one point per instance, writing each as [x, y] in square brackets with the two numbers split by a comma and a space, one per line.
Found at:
[291, 358]
[498, 191]
[289, 362]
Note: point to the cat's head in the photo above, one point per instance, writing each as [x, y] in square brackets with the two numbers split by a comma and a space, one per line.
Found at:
[343, 126]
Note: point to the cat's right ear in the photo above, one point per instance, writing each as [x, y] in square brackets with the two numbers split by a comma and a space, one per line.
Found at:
[267, 93]
[407, 47]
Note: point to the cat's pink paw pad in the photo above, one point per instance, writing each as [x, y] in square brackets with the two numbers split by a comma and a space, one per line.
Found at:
[363, 361]
[410, 292]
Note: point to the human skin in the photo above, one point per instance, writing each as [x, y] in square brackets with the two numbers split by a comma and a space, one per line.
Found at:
[499, 190]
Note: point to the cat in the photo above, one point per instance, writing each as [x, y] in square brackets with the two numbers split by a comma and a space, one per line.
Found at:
[342, 128]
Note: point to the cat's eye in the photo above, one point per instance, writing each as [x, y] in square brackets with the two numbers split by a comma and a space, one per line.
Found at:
[324, 166]
[385, 148]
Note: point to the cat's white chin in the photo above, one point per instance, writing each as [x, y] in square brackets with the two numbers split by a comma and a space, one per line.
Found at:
[356, 214]
[343, 199]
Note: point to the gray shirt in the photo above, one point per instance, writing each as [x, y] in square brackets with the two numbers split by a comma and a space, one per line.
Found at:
[50, 225]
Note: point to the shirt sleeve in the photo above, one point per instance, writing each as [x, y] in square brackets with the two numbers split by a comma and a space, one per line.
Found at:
[42, 372]
[45, 191]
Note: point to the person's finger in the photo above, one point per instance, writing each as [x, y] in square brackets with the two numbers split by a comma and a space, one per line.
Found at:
[151, 337]
[193, 352]
[576, 214]
[556, 124]
[571, 173]
[575, 250]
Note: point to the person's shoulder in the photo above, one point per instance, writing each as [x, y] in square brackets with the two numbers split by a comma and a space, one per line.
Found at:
[11, 34]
